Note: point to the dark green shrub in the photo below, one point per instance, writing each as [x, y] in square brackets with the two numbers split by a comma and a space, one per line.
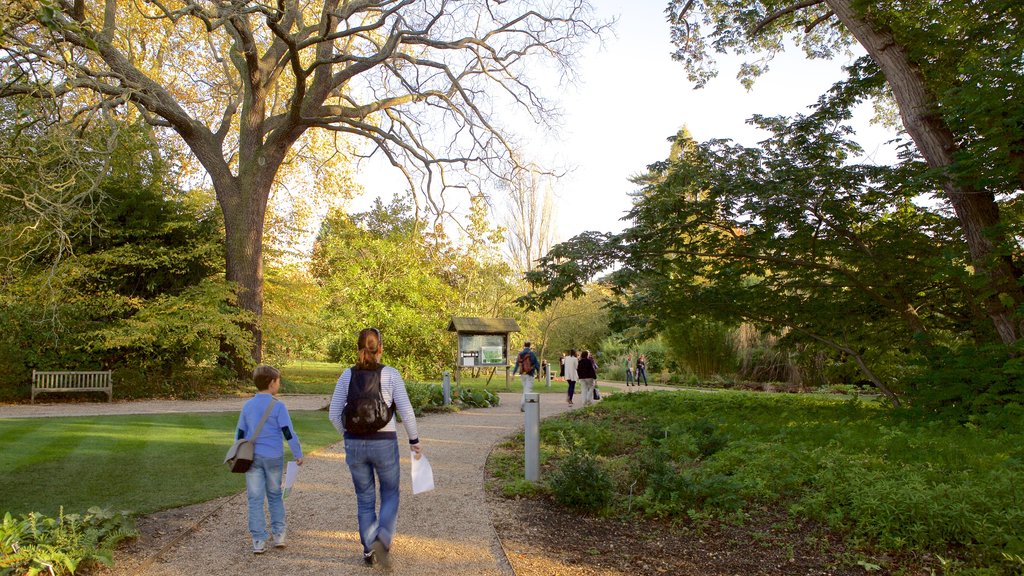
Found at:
[580, 483]
[960, 382]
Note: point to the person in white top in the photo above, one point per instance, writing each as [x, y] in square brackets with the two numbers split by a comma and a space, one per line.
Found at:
[371, 447]
[571, 362]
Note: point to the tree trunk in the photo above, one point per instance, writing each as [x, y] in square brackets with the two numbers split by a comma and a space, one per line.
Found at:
[244, 209]
[976, 209]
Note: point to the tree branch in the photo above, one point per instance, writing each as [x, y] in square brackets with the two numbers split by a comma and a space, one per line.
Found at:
[780, 13]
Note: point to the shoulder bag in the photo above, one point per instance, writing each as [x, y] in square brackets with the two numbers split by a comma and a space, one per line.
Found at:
[240, 455]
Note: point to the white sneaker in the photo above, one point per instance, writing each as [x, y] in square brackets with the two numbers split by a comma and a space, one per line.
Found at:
[259, 546]
[279, 540]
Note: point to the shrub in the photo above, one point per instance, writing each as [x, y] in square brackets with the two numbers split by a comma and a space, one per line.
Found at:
[889, 479]
[35, 543]
[431, 396]
[960, 382]
[476, 398]
[580, 483]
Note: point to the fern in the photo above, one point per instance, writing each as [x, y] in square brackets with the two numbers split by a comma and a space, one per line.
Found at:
[36, 544]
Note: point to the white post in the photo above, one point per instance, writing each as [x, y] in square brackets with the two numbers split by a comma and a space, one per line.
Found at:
[532, 429]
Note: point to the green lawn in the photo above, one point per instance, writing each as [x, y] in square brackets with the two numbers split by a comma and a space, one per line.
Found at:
[305, 377]
[139, 463]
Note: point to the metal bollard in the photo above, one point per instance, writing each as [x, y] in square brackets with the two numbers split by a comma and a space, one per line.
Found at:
[547, 374]
[446, 387]
[532, 429]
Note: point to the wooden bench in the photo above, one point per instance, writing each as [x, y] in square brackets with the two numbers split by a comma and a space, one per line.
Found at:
[98, 381]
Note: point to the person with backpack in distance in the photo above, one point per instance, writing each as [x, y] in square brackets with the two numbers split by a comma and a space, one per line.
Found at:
[527, 367]
[266, 418]
[363, 408]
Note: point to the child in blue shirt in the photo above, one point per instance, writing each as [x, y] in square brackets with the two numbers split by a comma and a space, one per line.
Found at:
[263, 479]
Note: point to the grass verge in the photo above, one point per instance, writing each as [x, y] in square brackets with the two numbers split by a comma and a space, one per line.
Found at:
[139, 463]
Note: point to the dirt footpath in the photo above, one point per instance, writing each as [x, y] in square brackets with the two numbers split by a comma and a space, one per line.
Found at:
[449, 531]
[225, 404]
[444, 532]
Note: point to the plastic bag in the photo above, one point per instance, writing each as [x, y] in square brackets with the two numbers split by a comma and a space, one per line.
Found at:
[422, 474]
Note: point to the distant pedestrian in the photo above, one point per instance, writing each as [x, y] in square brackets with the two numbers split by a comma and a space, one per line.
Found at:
[527, 367]
[570, 363]
[628, 364]
[561, 367]
[362, 393]
[587, 372]
[263, 479]
[641, 369]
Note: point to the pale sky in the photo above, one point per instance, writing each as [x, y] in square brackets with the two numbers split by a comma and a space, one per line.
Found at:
[631, 97]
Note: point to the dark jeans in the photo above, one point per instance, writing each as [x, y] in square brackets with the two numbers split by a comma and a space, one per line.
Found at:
[641, 372]
[572, 388]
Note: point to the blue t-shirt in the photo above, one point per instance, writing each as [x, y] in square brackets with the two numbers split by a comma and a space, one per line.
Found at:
[277, 426]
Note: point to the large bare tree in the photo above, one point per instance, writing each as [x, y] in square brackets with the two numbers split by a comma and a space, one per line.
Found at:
[529, 218]
[241, 82]
[912, 59]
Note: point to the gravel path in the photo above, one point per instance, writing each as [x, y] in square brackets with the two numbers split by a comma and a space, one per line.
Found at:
[225, 404]
[448, 531]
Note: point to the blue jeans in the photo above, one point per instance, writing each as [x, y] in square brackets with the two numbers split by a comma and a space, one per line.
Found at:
[364, 458]
[263, 482]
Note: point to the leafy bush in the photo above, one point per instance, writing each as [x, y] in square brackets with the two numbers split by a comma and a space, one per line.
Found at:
[34, 543]
[139, 286]
[475, 398]
[431, 396]
[579, 482]
[968, 380]
[891, 479]
[702, 346]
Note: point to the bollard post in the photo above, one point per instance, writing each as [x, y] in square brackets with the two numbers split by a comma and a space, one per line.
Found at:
[547, 374]
[446, 387]
[532, 429]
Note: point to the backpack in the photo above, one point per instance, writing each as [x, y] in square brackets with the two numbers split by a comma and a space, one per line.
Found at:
[525, 363]
[365, 411]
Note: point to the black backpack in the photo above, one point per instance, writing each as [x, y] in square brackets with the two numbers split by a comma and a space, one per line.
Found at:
[365, 411]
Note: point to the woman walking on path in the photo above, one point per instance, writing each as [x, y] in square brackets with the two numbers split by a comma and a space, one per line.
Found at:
[587, 371]
[363, 408]
[569, 364]
[641, 369]
[628, 363]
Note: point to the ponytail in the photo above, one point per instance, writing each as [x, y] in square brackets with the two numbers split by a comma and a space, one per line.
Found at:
[367, 349]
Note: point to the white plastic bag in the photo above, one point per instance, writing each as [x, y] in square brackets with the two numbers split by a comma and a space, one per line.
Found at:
[290, 474]
[422, 474]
